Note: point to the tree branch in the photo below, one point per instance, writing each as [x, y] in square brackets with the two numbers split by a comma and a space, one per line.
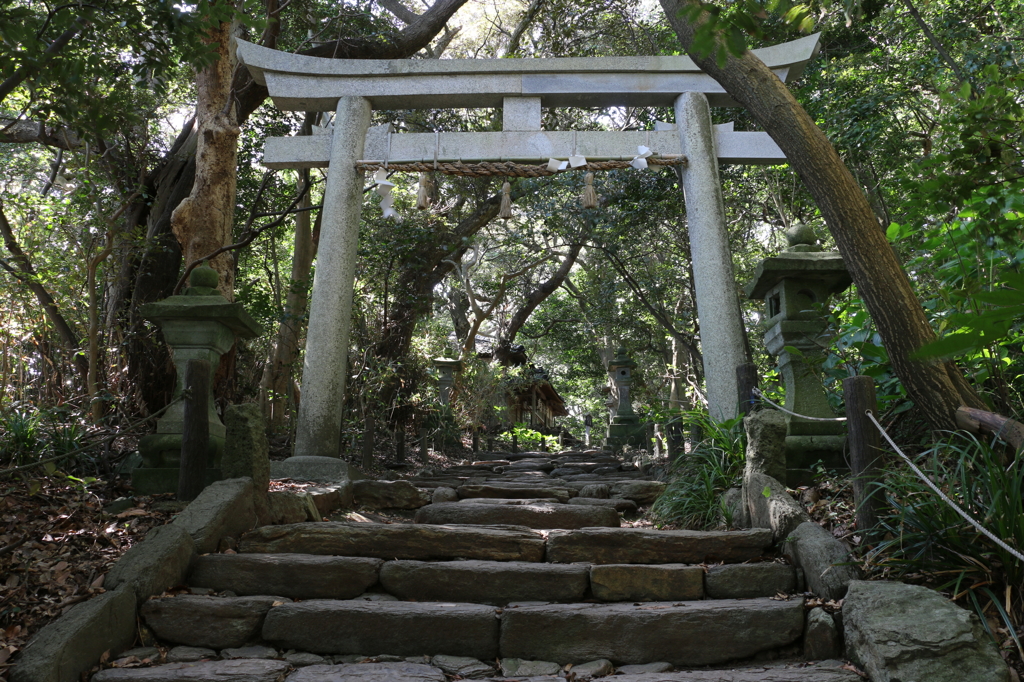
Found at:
[28, 70]
[30, 279]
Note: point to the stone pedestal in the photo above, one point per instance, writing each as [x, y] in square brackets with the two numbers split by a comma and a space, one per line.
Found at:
[625, 427]
[795, 285]
[199, 324]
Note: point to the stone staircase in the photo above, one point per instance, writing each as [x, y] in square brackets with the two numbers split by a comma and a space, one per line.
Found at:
[518, 570]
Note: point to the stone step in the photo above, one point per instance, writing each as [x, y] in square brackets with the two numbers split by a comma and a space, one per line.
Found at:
[400, 628]
[304, 576]
[485, 582]
[256, 670]
[509, 543]
[641, 546]
[397, 541]
[541, 516]
[617, 503]
[514, 490]
[298, 576]
[683, 633]
[693, 633]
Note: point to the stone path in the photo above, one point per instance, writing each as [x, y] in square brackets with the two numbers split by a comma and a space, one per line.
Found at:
[518, 570]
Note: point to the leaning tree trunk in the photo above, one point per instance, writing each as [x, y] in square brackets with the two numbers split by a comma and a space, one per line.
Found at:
[938, 388]
[278, 384]
[204, 220]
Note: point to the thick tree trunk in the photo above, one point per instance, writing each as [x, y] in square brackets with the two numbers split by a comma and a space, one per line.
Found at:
[936, 387]
[203, 222]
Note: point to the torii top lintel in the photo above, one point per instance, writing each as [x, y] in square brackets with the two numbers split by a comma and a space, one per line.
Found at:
[301, 83]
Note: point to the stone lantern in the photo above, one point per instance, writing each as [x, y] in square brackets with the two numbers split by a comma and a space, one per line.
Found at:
[447, 368]
[795, 286]
[198, 324]
[625, 427]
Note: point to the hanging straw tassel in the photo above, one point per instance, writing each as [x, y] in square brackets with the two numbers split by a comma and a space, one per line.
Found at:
[589, 195]
[425, 195]
[506, 201]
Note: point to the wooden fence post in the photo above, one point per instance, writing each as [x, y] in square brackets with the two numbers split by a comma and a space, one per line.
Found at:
[865, 449]
[515, 443]
[424, 445]
[400, 442]
[195, 436]
[476, 440]
[369, 432]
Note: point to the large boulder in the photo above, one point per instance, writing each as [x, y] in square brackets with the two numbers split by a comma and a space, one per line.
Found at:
[908, 633]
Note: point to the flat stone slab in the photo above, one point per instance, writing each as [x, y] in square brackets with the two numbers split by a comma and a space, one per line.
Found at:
[513, 501]
[464, 667]
[388, 495]
[641, 546]
[519, 667]
[200, 621]
[299, 576]
[541, 516]
[240, 670]
[513, 491]
[745, 581]
[641, 492]
[399, 628]
[398, 541]
[309, 468]
[638, 582]
[790, 673]
[684, 634]
[368, 672]
[485, 582]
[617, 503]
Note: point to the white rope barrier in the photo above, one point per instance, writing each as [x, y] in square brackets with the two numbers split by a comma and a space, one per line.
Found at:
[941, 494]
[760, 395]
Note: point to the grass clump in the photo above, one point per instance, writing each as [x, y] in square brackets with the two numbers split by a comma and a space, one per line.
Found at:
[697, 479]
[927, 541]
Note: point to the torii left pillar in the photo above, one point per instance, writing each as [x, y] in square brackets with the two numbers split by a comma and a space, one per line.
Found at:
[325, 368]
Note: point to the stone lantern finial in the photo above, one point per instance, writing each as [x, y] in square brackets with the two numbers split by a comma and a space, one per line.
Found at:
[801, 238]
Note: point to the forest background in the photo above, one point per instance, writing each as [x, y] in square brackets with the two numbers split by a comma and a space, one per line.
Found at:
[105, 108]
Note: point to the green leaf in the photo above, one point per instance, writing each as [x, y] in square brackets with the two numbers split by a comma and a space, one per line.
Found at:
[893, 231]
[767, 492]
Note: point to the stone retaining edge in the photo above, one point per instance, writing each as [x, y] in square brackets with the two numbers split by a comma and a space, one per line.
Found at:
[75, 641]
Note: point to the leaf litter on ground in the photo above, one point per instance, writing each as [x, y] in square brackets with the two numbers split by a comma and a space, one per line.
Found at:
[57, 543]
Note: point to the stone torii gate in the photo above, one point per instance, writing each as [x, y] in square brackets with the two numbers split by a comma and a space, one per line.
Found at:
[520, 87]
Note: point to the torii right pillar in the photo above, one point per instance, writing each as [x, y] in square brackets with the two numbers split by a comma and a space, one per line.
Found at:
[718, 308]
